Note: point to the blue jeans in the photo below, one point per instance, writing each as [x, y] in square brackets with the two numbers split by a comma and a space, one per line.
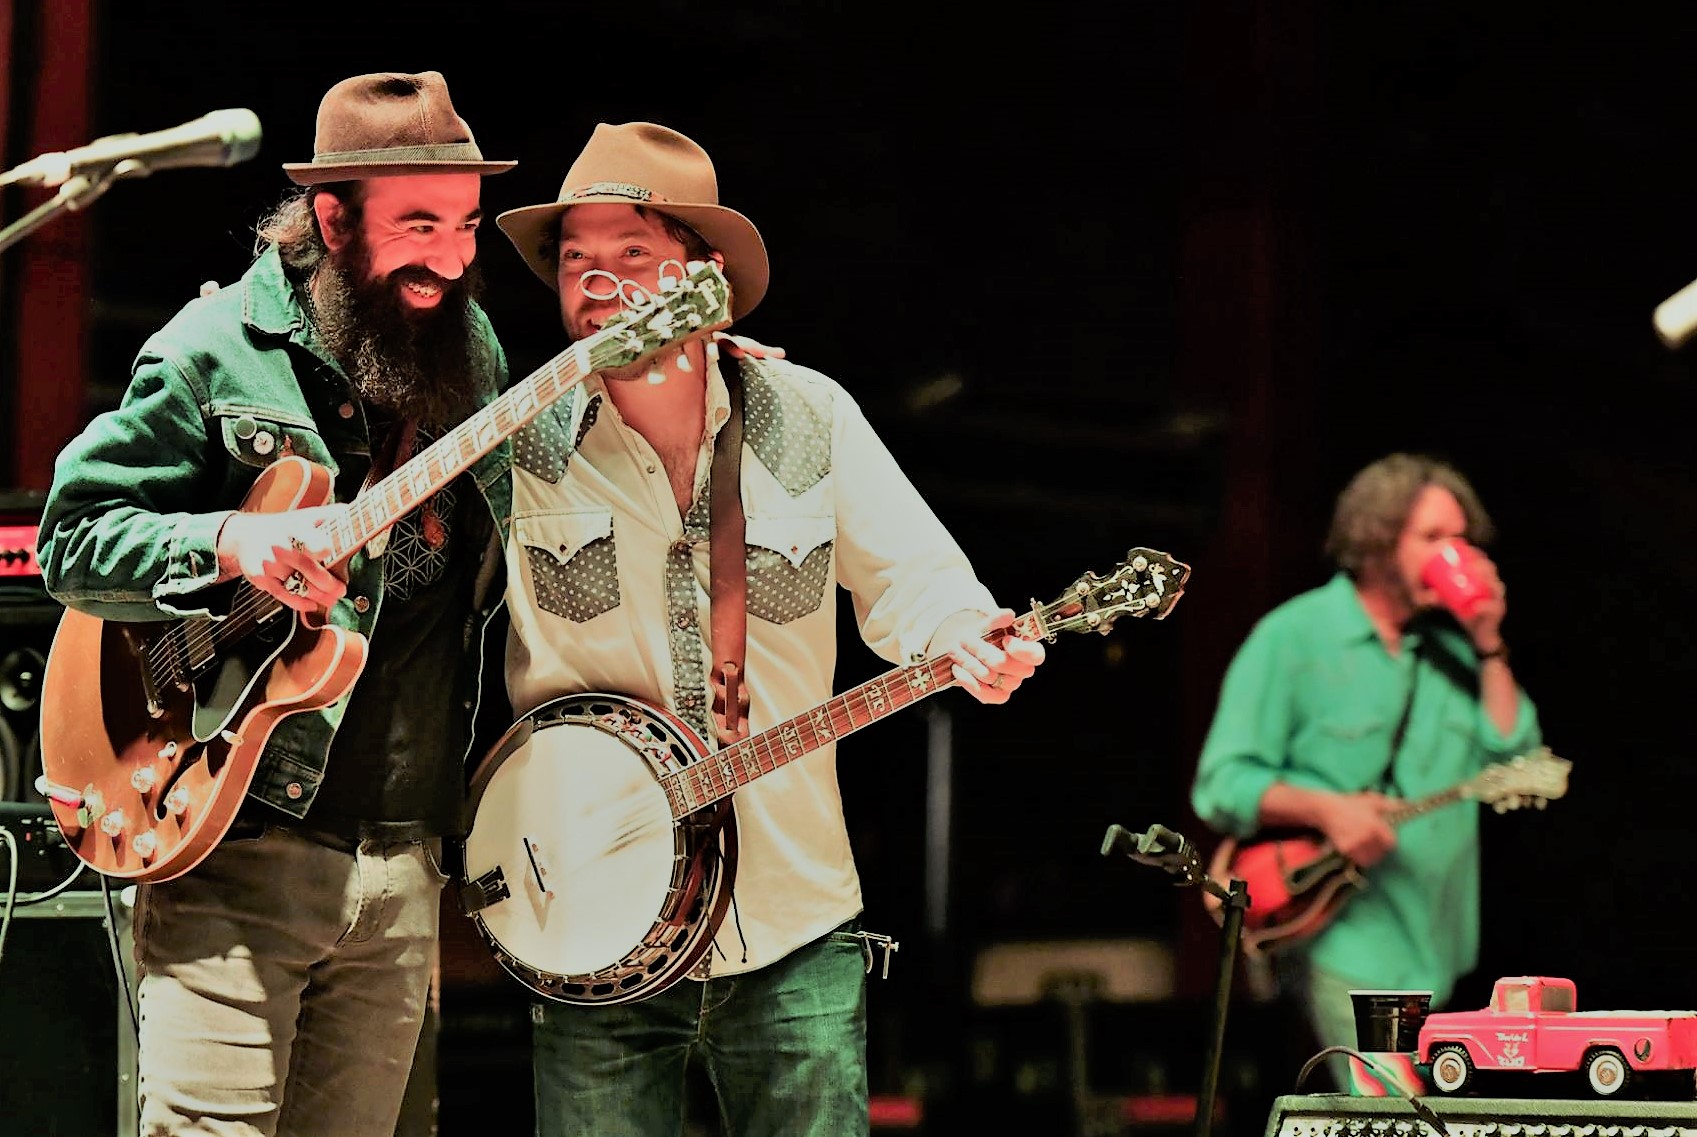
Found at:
[784, 1046]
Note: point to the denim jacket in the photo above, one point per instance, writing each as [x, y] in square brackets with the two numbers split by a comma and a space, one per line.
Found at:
[233, 382]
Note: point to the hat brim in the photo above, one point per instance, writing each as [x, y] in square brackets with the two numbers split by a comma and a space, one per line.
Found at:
[726, 230]
[314, 174]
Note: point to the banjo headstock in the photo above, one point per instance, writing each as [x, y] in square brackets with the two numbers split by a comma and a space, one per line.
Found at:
[1147, 583]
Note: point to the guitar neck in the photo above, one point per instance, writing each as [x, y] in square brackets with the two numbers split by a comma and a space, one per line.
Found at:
[410, 484]
[723, 773]
[1426, 804]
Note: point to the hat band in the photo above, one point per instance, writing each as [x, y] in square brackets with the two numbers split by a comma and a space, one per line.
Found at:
[444, 152]
[613, 189]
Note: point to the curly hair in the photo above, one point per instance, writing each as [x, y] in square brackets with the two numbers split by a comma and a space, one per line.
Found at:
[1373, 508]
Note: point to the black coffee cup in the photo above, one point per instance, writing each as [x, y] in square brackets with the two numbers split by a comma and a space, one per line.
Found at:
[1389, 1021]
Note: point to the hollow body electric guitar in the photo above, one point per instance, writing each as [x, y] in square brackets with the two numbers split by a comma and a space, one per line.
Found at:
[151, 731]
[602, 848]
[1297, 881]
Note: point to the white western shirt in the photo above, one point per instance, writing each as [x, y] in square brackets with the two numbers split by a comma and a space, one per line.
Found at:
[610, 593]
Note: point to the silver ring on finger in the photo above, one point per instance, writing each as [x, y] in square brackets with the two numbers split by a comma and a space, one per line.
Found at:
[296, 584]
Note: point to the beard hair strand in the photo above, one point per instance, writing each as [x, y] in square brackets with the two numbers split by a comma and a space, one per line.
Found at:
[426, 366]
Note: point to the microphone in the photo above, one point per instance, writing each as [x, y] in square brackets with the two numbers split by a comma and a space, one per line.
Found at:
[1159, 847]
[220, 138]
[1150, 847]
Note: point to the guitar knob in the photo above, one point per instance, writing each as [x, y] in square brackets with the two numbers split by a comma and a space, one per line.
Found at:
[177, 801]
[144, 844]
[169, 750]
[144, 779]
[112, 823]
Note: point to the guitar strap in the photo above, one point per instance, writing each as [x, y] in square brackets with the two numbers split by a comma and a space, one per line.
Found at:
[1389, 781]
[729, 570]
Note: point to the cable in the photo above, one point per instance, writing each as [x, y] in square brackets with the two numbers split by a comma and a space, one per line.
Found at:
[11, 844]
[13, 902]
[43, 897]
[117, 957]
[1423, 1110]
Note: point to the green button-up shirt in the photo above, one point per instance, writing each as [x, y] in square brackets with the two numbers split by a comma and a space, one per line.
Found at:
[1313, 698]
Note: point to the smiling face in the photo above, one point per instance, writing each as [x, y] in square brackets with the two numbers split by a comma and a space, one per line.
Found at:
[417, 234]
[603, 245]
[393, 302]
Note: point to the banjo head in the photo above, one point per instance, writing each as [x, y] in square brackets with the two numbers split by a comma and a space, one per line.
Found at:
[572, 821]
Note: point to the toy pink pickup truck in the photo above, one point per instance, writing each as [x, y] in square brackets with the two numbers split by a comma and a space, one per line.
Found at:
[1532, 1025]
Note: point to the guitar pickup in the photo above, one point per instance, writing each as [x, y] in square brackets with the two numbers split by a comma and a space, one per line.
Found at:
[490, 888]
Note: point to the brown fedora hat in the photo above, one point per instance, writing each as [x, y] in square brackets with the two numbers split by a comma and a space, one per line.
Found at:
[641, 163]
[388, 124]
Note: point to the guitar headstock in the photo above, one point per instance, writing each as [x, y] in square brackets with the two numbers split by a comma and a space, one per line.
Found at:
[1534, 778]
[691, 307]
[1146, 583]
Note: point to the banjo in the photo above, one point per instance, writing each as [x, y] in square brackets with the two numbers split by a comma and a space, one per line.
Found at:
[602, 850]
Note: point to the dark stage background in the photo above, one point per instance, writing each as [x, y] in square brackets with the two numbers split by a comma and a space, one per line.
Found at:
[1103, 276]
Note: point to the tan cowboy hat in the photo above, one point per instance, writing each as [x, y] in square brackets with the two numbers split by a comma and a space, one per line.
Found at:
[640, 163]
[388, 124]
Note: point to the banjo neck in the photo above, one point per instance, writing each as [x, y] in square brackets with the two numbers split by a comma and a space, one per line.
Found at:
[718, 775]
[1146, 583]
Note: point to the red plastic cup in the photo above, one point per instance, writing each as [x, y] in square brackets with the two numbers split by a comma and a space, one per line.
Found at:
[1451, 573]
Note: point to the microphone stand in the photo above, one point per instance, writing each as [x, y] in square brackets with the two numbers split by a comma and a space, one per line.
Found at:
[1164, 849]
[74, 193]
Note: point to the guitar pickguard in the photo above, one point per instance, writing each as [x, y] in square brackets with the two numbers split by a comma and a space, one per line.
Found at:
[221, 691]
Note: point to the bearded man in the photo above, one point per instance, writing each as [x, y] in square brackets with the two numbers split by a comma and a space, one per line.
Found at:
[283, 977]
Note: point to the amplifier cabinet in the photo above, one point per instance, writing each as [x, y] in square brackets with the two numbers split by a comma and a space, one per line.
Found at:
[1341, 1115]
[67, 1042]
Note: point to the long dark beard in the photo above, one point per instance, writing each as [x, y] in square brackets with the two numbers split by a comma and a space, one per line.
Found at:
[423, 365]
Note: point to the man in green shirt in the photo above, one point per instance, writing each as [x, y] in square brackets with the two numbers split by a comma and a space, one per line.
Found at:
[1357, 695]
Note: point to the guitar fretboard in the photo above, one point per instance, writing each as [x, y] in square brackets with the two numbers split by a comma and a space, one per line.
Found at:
[1426, 804]
[398, 494]
[194, 644]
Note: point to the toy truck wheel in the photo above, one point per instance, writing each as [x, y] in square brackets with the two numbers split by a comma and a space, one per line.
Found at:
[1452, 1069]
[1607, 1072]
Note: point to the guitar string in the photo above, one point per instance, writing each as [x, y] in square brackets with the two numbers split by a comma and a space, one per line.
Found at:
[255, 606]
[164, 650]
